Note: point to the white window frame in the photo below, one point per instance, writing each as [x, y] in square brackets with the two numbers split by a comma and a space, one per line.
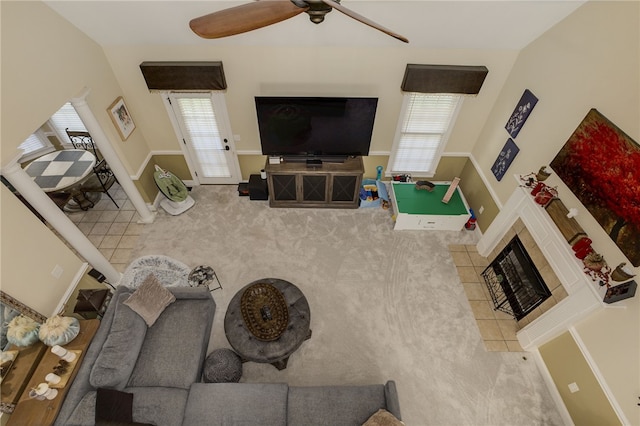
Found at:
[35, 151]
[432, 163]
[68, 122]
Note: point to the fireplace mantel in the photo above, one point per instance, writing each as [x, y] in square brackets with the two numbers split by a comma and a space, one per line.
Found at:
[584, 295]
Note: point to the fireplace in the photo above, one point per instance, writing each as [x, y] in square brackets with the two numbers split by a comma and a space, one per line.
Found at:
[514, 283]
[574, 295]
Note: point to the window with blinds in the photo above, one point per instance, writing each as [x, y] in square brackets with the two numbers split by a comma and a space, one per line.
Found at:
[201, 127]
[423, 130]
[34, 146]
[66, 117]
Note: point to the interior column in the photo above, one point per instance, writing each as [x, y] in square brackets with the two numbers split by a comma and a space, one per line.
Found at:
[56, 217]
[107, 151]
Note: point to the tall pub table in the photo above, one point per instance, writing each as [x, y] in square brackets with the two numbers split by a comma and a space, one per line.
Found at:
[65, 170]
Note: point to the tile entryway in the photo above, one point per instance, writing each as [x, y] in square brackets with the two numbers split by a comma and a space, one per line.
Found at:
[114, 231]
[498, 330]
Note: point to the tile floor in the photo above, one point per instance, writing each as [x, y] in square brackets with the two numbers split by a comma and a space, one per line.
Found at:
[498, 330]
[114, 231]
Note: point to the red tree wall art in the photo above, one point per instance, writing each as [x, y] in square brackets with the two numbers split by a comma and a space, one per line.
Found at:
[601, 166]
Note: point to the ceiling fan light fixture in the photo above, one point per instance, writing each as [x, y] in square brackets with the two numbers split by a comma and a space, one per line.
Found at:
[259, 14]
[316, 9]
[300, 3]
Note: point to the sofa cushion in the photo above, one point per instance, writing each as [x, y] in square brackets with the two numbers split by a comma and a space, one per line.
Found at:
[151, 405]
[81, 385]
[118, 356]
[333, 405]
[159, 405]
[243, 404]
[84, 413]
[174, 349]
[150, 299]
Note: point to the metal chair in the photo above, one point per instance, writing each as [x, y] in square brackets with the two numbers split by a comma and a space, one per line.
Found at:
[103, 178]
[83, 140]
[101, 181]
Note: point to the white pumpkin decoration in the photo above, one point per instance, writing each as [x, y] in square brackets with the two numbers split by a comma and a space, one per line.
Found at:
[22, 331]
[59, 330]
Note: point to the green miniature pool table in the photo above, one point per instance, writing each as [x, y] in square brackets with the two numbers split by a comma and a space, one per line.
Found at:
[420, 209]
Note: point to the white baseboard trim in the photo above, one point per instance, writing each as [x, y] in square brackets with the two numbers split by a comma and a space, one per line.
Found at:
[553, 390]
[599, 376]
[156, 201]
[70, 289]
[249, 152]
[470, 156]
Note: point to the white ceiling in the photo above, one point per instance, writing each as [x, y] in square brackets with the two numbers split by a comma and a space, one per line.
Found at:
[447, 24]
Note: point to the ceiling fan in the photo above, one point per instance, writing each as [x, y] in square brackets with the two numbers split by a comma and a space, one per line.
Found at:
[251, 16]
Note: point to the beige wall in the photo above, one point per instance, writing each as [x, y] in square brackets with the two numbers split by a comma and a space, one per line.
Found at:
[612, 337]
[26, 271]
[589, 405]
[478, 196]
[38, 78]
[252, 71]
[321, 71]
[589, 60]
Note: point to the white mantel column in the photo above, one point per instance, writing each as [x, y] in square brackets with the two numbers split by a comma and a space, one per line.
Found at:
[54, 216]
[103, 144]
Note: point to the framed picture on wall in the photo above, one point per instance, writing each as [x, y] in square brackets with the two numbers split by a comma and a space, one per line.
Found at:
[600, 164]
[121, 118]
[505, 158]
[521, 113]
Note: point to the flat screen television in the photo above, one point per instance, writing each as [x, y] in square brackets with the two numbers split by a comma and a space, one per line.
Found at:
[319, 127]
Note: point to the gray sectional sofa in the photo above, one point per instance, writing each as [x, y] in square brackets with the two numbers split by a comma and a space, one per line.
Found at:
[162, 366]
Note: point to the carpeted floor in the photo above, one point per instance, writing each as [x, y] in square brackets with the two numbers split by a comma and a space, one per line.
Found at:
[384, 305]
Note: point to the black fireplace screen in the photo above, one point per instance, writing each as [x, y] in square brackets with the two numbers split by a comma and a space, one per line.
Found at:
[514, 283]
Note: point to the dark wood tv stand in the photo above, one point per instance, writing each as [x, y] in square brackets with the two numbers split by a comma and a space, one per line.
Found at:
[329, 185]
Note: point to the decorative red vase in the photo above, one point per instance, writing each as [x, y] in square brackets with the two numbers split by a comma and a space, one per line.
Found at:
[582, 243]
[583, 252]
[536, 189]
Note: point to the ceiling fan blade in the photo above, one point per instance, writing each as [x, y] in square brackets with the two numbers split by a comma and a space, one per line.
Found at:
[358, 17]
[243, 18]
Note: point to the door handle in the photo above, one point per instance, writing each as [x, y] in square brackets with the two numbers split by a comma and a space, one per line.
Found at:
[226, 148]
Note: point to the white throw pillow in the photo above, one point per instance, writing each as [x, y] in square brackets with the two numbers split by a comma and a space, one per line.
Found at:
[150, 299]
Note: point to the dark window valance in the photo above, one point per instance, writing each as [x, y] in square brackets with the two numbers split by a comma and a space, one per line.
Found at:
[184, 75]
[443, 78]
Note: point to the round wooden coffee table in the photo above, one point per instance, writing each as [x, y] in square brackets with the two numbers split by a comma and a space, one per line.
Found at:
[265, 338]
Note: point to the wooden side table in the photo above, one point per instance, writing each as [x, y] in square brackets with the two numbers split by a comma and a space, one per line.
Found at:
[92, 303]
[15, 382]
[30, 411]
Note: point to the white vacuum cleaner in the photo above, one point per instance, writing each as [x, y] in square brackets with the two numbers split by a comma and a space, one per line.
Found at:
[177, 199]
